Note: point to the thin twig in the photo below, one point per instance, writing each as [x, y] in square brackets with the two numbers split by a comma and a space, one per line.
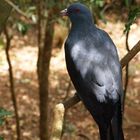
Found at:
[11, 79]
[17, 9]
[126, 71]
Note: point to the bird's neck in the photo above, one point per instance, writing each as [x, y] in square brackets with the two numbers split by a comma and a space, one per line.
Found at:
[82, 24]
[82, 27]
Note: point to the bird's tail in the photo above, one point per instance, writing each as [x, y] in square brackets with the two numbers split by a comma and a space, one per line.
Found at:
[110, 133]
[116, 123]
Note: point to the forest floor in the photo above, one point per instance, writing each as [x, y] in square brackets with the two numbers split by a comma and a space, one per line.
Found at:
[79, 125]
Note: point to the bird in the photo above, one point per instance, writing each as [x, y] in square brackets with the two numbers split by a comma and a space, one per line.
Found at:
[93, 66]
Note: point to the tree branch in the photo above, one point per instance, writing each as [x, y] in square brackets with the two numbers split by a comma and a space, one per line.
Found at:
[17, 9]
[126, 70]
[127, 58]
[11, 80]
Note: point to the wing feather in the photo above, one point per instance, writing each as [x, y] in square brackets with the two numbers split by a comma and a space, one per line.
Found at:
[97, 67]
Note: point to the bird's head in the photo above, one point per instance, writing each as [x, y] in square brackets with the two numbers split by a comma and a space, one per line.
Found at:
[78, 13]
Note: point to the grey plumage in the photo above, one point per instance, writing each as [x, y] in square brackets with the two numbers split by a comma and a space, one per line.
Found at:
[93, 65]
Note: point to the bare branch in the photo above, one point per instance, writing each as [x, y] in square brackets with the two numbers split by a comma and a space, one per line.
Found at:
[126, 71]
[71, 101]
[11, 80]
[16, 8]
[127, 58]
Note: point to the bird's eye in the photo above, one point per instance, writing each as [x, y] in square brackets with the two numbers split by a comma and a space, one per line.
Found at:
[77, 10]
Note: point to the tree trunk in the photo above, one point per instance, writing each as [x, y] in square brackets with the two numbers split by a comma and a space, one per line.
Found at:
[43, 75]
[45, 37]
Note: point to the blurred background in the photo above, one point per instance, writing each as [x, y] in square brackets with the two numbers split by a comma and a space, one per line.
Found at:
[33, 75]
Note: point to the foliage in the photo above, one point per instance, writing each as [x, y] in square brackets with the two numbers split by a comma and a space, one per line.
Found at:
[28, 8]
[3, 114]
[133, 14]
[23, 16]
[22, 27]
[128, 2]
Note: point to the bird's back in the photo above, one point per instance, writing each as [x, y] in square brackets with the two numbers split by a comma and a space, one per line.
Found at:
[92, 55]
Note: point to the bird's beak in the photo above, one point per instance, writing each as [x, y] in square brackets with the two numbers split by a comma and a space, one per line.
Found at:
[64, 12]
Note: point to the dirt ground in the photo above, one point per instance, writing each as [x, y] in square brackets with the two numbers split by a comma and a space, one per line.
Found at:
[79, 124]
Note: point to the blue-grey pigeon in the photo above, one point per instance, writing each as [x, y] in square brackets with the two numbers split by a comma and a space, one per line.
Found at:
[93, 65]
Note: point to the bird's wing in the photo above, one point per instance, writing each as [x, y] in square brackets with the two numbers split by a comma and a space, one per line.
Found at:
[101, 79]
[98, 68]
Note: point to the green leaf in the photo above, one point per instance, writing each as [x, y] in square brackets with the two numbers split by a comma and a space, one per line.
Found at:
[99, 3]
[22, 27]
[127, 3]
[4, 113]
[1, 138]
[1, 121]
[133, 14]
